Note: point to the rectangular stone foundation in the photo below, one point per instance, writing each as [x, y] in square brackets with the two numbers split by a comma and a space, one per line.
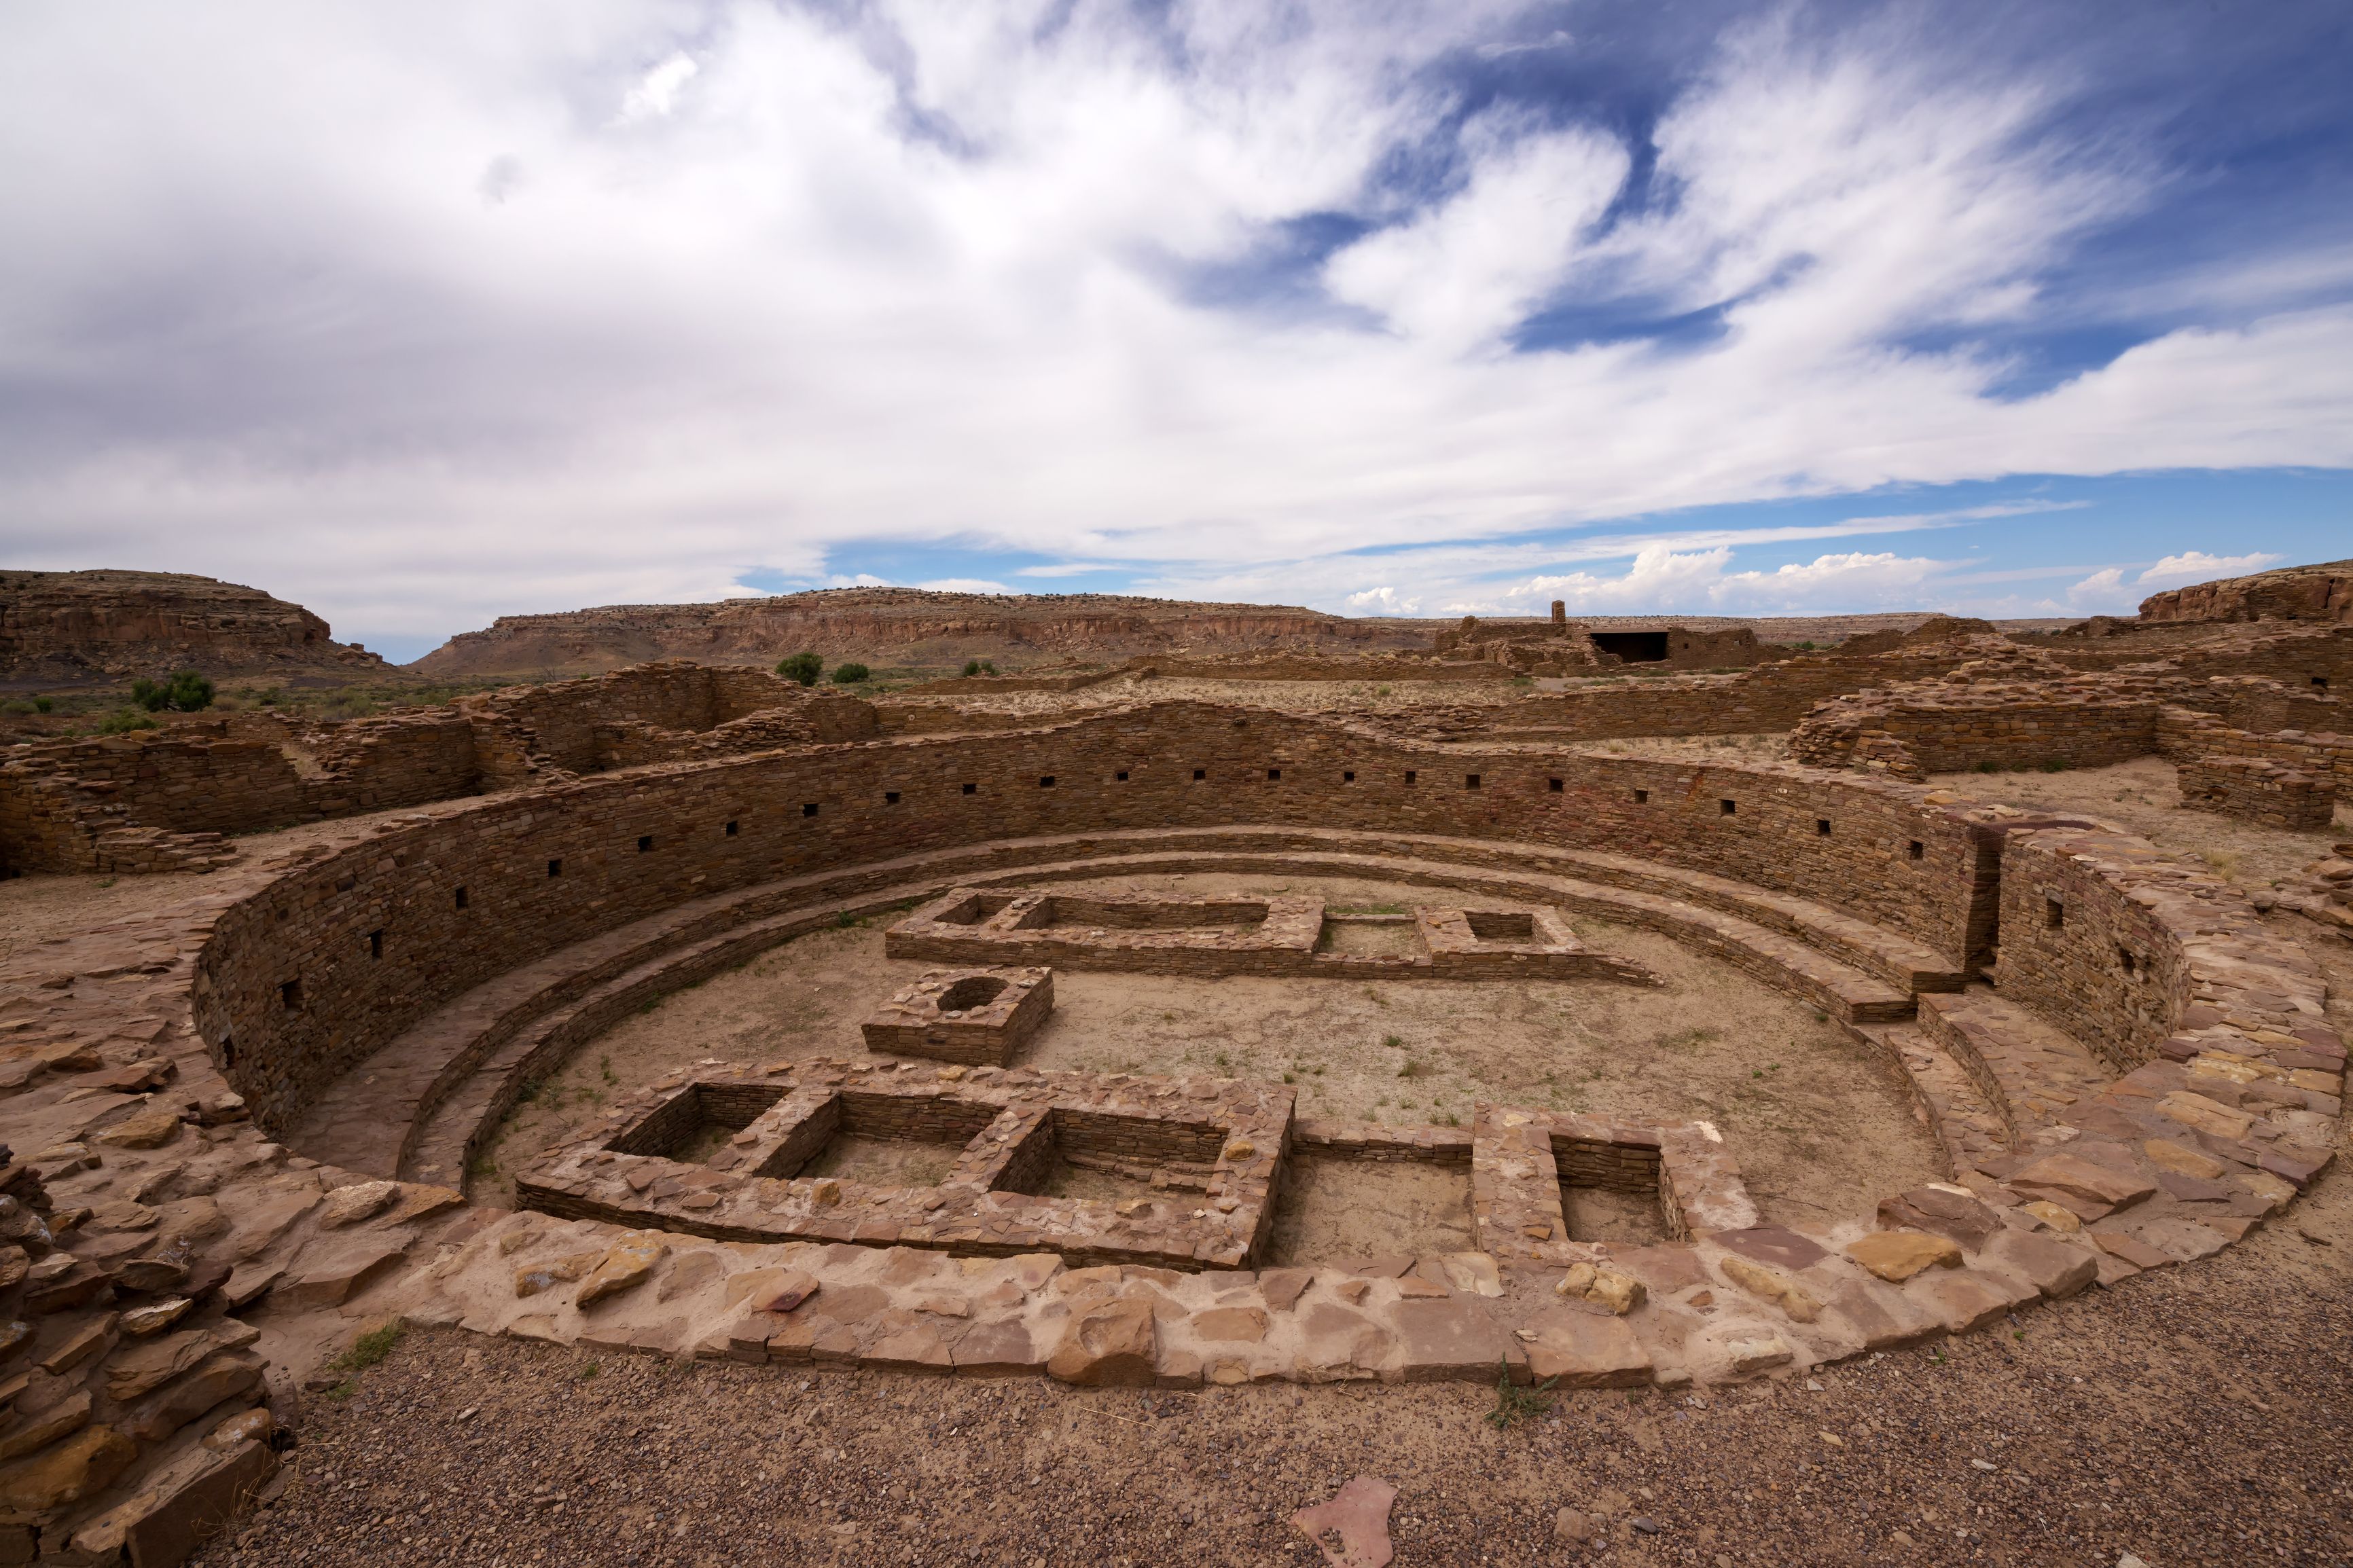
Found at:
[1154, 934]
[1205, 1153]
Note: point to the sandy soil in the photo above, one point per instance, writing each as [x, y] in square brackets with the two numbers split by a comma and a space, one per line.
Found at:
[1821, 1126]
[2194, 1417]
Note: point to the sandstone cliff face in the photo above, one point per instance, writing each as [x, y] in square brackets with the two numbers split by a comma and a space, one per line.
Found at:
[897, 625]
[2323, 592]
[63, 627]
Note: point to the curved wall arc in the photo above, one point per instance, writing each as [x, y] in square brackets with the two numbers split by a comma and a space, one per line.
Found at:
[306, 977]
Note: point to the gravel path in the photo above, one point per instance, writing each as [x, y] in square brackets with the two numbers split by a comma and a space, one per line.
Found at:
[2195, 1417]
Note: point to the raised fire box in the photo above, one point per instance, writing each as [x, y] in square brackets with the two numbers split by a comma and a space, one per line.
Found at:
[977, 1017]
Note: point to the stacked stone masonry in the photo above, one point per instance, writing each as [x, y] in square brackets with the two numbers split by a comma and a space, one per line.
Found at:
[2139, 1074]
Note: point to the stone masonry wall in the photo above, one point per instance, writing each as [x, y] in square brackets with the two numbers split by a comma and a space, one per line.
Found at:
[309, 976]
[2077, 946]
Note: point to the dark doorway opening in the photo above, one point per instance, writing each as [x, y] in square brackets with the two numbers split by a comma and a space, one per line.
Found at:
[1634, 647]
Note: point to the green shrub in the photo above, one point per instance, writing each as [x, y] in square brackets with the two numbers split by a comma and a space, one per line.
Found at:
[801, 666]
[850, 673]
[124, 721]
[187, 692]
[971, 668]
[17, 706]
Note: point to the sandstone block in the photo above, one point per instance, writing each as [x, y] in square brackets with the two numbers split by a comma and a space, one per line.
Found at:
[145, 1129]
[624, 1267]
[2203, 1115]
[1944, 1209]
[1000, 1349]
[2056, 1269]
[67, 1416]
[1108, 1343]
[178, 1509]
[1771, 1244]
[1963, 1299]
[1246, 1324]
[1584, 1349]
[1897, 1255]
[2061, 1177]
[1768, 1286]
[362, 1200]
[1449, 1340]
[173, 1406]
[80, 1467]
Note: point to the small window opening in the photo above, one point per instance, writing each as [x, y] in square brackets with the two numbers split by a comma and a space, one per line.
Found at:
[809, 808]
[1642, 797]
[1348, 775]
[645, 842]
[290, 995]
[1200, 773]
[1123, 775]
[1822, 828]
[1410, 775]
[1727, 808]
[1557, 787]
[2130, 961]
[2320, 681]
[889, 797]
[461, 898]
[2054, 914]
[555, 868]
[345, 884]
[1272, 775]
[731, 830]
[1918, 850]
[1469, 780]
[228, 1051]
[972, 789]
[1046, 781]
[375, 945]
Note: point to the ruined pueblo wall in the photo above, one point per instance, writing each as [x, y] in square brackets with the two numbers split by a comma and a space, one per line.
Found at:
[2075, 945]
[371, 938]
[2185, 735]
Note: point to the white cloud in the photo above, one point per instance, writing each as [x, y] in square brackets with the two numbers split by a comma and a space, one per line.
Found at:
[964, 586]
[393, 315]
[1383, 600]
[2197, 566]
[1068, 569]
[654, 97]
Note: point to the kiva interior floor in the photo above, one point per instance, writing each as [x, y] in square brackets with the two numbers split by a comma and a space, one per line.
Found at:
[1820, 1124]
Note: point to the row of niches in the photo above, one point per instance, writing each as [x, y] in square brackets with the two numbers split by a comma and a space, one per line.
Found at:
[1819, 1125]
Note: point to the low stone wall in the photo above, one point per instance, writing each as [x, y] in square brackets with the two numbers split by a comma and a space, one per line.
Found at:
[2258, 791]
[59, 799]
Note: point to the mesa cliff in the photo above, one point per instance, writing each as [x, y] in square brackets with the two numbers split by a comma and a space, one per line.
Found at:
[903, 625]
[2320, 592]
[67, 627]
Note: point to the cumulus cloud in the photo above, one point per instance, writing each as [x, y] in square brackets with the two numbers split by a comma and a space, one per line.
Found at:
[1383, 600]
[422, 321]
[2197, 566]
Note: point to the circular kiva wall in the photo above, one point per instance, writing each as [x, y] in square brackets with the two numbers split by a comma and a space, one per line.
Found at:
[307, 978]
[2148, 1075]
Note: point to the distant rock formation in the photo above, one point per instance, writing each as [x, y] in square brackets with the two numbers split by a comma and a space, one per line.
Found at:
[73, 628]
[900, 625]
[2322, 592]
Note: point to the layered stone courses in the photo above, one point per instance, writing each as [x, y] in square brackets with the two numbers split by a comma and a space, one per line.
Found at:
[2139, 1074]
[1222, 1138]
[1154, 933]
[978, 1016]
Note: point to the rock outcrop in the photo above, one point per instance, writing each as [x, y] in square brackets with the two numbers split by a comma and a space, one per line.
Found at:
[899, 625]
[67, 627]
[2322, 592]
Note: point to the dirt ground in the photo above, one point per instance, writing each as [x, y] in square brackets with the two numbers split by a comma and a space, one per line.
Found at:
[2140, 797]
[2194, 1418]
[1822, 1126]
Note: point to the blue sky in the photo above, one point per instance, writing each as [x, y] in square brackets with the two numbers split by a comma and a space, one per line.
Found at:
[423, 315]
